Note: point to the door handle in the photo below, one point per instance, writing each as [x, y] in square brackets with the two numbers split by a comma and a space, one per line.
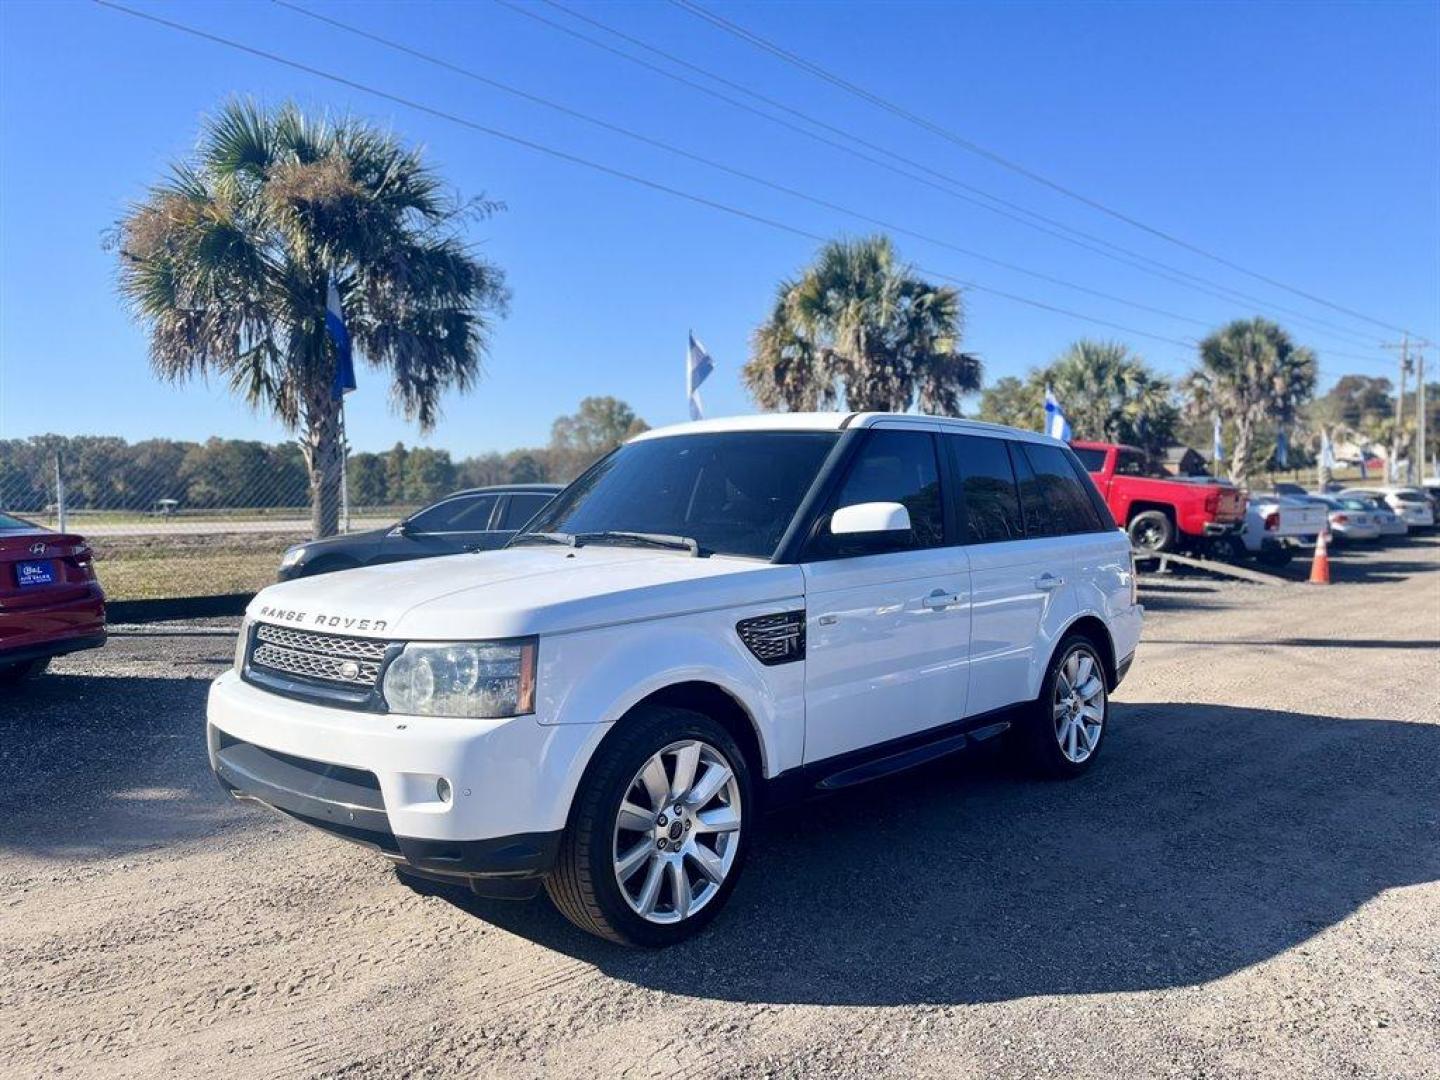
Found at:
[939, 600]
[1046, 582]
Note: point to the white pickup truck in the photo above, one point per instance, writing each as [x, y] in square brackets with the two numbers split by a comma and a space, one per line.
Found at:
[1276, 526]
[714, 620]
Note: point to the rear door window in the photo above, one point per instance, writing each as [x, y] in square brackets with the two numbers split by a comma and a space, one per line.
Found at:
[989, 502]
[523, 506]
[1092, 459]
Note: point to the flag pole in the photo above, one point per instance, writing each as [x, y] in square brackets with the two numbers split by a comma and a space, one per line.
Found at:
[344, 471]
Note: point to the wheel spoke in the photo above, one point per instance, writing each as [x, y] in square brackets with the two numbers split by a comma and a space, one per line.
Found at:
[657, 784]
[687, 758]
[1072, 663]
[1059, 711]
[711, 865]
[635, 818]
[680, 887]
[1062, 731]
[650, 891]
[716, 777]
[721, 819]
[1089, 733]
[1092, 713]
[1071, 739]
[1083, 669]
[1090, 688]
[632, 860]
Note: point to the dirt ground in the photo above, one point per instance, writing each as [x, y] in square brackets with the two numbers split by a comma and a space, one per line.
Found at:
[1248, 884]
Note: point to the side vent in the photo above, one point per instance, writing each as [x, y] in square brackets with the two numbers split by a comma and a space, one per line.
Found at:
[774, 639]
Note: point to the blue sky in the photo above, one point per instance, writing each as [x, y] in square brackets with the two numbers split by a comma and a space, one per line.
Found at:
[1300, 140]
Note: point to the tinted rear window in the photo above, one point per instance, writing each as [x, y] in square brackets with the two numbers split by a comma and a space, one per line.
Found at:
[522, 507]
[1093, 460]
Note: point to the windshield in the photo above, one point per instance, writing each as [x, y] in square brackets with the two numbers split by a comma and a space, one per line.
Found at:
[733, 492]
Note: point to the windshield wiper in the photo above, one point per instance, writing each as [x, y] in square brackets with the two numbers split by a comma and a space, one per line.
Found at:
[565, 538]
[639, 539]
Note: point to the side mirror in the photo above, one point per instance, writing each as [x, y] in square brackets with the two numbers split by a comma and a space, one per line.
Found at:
[403, 529]
[870, 518]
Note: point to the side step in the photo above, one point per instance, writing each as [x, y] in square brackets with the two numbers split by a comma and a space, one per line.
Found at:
[908, 759]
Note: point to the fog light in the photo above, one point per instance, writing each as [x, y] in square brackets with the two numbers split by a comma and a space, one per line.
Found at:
[442, 789]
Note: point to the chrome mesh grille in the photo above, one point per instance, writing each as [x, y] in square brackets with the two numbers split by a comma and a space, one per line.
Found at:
[330, 658]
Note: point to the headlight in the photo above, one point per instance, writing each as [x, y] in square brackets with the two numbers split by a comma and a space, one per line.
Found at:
[292, 556]
[240, 644]
[483, 679]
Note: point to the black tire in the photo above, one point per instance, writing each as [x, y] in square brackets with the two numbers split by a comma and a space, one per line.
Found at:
[1275, 555]
[15, 674]
[583, 884]
[1152, 530]
[1039, 740]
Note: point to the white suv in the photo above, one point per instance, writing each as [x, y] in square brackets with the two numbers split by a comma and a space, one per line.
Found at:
[715, 619]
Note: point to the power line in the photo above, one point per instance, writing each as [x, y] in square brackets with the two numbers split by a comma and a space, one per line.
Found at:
[947, 185]
[975, 148]
[576, 159]
[710, 163]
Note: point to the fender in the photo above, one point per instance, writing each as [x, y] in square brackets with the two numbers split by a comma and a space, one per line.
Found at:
[621, 670]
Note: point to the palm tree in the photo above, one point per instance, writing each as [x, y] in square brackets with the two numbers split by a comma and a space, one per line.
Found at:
[859, 326]
[1109, 393]
[228, 262]
[1250, 371]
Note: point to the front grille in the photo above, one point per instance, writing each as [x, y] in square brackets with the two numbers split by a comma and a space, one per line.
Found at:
[327, 658]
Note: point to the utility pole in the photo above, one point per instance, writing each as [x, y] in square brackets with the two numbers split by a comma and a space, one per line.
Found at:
[1406, 366]
[1420, 417]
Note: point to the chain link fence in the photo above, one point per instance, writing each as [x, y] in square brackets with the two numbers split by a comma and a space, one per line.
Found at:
[173, 519]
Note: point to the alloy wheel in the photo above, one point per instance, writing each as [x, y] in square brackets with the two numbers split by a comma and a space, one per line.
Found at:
[677, 831]
[1078, 708]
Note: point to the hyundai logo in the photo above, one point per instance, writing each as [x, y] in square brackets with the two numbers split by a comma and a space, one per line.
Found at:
[37, 549]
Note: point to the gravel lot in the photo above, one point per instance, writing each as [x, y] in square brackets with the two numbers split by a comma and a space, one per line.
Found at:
[1247, 885]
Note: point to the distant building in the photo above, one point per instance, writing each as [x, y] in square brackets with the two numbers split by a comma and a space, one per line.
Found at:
[1185, 461]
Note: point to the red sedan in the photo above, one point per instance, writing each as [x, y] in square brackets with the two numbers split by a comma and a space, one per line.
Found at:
[50, 602]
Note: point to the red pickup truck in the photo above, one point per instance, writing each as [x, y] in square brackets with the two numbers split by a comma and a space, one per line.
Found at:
[1162, 512]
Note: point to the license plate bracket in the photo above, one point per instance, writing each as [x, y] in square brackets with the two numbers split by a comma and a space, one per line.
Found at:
[36, 572]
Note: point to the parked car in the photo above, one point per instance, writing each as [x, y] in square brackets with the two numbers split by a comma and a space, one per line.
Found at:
[1431, 486]
[1351, 519]
[716, 618]
[1277, 525]
[476, 520]
[1159, 511]
[50, 600]
[1410, 503]
[1390, 523]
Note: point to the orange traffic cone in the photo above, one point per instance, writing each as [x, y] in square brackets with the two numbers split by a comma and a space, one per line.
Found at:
[1320, 567]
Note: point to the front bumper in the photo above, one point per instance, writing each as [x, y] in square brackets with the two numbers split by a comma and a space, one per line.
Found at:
[374, 778]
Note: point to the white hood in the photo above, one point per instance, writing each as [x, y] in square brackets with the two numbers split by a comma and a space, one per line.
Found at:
[520, 591]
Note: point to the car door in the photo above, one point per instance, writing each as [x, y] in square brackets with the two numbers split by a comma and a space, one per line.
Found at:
[887, 619]
[1019, 574]
[516, 509]
[448, 527]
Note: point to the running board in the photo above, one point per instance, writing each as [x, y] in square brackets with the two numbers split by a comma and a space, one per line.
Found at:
[908, 759]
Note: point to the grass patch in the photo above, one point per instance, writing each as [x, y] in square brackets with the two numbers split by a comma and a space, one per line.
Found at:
[155, 568]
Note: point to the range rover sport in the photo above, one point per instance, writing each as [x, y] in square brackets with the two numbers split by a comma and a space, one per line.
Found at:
[714, 619]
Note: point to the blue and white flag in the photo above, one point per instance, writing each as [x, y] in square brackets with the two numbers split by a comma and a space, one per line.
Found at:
[1282, 449]
[1327, 451]
[1056, 425]
[344, 358]
[698, 366]
[1217, 451]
